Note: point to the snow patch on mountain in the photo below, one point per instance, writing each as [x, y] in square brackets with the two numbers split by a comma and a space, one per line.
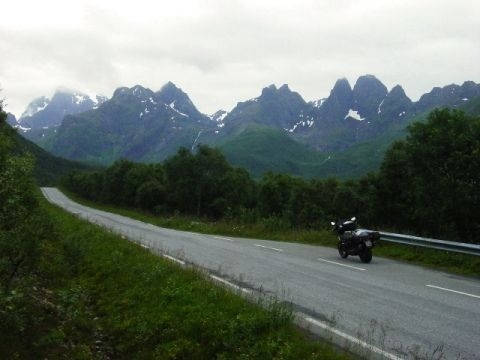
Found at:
[379, 110]
[79, 98]
[221, 117]
[307, 121]
[319, 102]
[35, 107]
[354, 115]
[24, 129]
[172, 106]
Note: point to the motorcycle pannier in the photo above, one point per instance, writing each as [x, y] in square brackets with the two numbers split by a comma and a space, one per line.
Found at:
[349, 225]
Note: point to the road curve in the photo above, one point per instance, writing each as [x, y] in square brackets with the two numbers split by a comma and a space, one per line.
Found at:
[403, 309]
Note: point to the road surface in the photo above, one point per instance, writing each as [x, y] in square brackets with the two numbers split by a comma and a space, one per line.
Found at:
[399, 308]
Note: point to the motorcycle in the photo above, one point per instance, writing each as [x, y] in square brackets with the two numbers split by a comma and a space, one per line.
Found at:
[354, 241]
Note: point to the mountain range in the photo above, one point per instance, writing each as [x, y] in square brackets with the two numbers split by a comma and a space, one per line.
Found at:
[278, 130]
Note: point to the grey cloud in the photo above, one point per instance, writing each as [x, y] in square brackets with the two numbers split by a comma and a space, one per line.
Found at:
[225, 51]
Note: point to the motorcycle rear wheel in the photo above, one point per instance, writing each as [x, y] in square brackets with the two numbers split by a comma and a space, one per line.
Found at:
[343, 253]
[366, 255]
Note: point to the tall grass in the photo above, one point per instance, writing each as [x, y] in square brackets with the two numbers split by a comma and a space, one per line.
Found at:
[120, 301]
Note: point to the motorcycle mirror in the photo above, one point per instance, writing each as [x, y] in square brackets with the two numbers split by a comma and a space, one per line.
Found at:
[353, 218]
[332, 223]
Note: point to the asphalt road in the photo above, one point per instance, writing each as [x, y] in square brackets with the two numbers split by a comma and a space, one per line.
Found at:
[400, 308]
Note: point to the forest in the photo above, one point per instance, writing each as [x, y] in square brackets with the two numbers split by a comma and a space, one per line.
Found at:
[427, 185]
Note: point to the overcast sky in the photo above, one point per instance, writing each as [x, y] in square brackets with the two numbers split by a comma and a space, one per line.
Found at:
[224, 51]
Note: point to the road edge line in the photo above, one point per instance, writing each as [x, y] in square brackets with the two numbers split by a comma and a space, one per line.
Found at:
[344, 336]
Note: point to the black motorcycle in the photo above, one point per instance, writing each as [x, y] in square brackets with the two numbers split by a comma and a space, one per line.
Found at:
[354, 241]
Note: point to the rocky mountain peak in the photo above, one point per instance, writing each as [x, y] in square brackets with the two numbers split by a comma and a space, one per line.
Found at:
[170, 92]
[35, 106]
[398, 93]
[369, 84]
[342, 86]
[450, 95]
[368, 93]
[284, 89]
[269, 90]
[175, 97]
[43, 112]
[339, 101]
[395, 106]
[218, 116]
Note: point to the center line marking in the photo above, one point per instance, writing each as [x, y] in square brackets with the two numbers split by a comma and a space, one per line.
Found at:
[337, 263]
[268, 247]
[454, 291]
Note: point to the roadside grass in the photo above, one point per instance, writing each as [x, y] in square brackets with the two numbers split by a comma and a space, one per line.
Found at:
[123, 302]
[456, 263]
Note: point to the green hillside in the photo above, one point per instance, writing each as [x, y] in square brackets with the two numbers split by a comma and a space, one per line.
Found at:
[263, 149]
[48, 168]
[366, 157]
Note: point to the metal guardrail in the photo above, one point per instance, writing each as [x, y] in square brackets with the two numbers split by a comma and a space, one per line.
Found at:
[471, 249]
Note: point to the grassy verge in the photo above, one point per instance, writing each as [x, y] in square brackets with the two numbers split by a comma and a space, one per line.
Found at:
[113, 299]
[456, 263]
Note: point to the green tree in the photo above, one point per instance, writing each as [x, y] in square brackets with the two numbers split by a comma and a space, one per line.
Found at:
[22, 226]
[429, 181]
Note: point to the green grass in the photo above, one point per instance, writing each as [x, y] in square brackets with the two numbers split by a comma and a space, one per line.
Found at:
[272, 229]
[117, 300]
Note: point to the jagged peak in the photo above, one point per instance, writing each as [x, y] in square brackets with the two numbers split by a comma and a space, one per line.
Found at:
[137, 90]
[171, 89]
[269, 89]
[120, 90]
[342, 84]
[170, 92]
[218, 116]
[397, 91]
[169, 85]
[369, 80]
[36, 105]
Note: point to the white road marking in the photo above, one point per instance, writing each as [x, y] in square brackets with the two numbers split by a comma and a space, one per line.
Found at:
[454, 291]
[337, 263]
[352, 339]
[173, 259]
[219, 279]
[268, 247]
[224, 238]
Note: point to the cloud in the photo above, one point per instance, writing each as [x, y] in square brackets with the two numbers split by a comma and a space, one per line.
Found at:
[221, 52]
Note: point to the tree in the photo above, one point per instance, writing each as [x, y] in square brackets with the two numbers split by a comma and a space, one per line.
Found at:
[22, 225]
[430, 180]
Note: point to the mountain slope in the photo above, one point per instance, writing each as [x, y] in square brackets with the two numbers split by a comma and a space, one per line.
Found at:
[48, 169]
[135, 123]
[263, 149]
